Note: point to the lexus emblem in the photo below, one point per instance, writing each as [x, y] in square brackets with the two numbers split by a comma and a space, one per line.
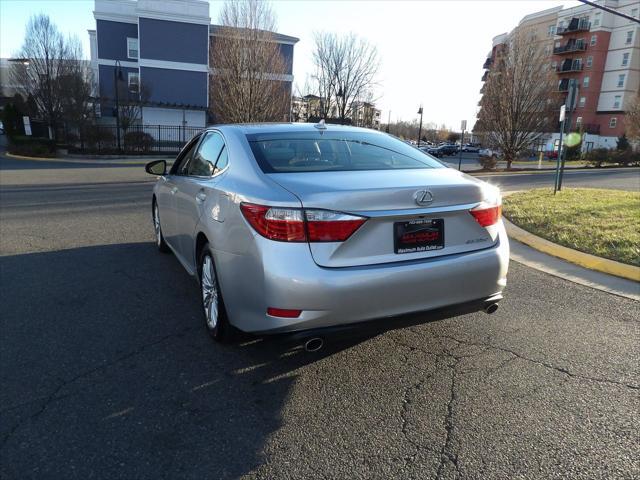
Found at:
[423, 197]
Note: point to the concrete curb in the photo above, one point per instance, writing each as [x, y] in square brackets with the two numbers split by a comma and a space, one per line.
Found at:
[545, 171]
[71, 160]
[574, 256]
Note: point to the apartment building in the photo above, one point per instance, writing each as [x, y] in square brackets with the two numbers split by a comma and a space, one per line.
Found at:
[160, 50]
[598, 49]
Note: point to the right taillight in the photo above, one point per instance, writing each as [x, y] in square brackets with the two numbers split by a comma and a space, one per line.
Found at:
[486, 215]
[300, 225]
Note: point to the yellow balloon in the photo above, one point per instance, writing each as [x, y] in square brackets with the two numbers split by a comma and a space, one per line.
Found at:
[573, 139]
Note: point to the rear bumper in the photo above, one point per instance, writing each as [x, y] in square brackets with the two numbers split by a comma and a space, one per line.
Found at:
[285, 276]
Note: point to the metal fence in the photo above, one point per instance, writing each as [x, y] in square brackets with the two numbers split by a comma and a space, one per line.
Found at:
[136, 139]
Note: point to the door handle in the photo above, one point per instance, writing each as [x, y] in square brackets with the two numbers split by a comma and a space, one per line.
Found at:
[201, 197]
[174, 190]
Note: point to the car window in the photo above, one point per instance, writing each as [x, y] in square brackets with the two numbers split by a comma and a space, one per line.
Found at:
[335, 151]
[205, 158]
[180, 165]
[223, 160]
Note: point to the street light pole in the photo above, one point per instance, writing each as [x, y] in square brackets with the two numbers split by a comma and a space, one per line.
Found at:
[117, 73]
[420, 129]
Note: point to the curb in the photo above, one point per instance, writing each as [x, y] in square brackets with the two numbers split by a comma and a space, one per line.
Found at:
[544, 171]
[74, 161]
[586, 260]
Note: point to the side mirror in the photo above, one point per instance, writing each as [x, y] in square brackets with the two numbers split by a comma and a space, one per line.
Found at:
[157, 167]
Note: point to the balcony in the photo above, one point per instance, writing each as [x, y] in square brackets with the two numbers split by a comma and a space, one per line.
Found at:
[592, 128]
[569, 66]
[487, 63]
[570, 47]
[563, 85]
[575, 25]
[485, 75]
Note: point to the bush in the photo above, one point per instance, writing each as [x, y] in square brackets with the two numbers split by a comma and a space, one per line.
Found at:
[32, 146]
[138, 141]
[488, 163]
[601, 156]
[598, 156]
[100, 138]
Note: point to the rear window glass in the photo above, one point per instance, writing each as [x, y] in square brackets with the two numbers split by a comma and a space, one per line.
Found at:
[335, 151]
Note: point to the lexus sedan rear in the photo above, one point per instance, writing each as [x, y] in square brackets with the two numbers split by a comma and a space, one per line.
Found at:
[299, 227]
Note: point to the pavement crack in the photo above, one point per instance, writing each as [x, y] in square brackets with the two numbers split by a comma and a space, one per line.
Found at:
[447, 454]
[547, 365]
[53, 397]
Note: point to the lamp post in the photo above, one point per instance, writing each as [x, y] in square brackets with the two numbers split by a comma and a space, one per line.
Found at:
[117, 75]
[420, 129]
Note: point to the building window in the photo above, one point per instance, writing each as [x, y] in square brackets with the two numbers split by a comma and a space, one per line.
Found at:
[585, 82]
[554, 65]
[133, 82]
[625, 59]
[613, 122]
[547, 50]
[594, 39]
[621, 80]
[634, 12]
[551, 31]
[132, 47]
[589, 61]
[578, 121]
[616, 101]
[582, 101]
[629, 37]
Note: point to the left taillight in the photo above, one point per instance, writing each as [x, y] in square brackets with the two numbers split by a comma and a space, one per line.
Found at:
[301, 225]
[487, 214]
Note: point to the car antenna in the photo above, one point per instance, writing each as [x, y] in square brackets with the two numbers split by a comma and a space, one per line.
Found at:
[320, 125]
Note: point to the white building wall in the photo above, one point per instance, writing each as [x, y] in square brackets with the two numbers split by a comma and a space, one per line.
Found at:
[172, 116]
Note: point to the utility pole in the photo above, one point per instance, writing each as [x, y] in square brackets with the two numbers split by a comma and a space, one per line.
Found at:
[389, 122]
[463, 127]
[117, 75]
[420, 129]
[569, 105]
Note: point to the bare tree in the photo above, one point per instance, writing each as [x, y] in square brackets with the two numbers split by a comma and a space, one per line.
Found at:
[248, 83]
[633, 119]
[131, 99]
[519, 101]
[47, 65]
[346, 68]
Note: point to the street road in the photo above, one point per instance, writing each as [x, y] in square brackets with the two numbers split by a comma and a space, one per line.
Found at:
[107, 371]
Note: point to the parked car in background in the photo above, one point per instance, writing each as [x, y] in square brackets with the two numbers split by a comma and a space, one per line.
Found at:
[552, 155]
[309, 228]
[487, 152]
[449, 149]
[435, 151]
[467, 147]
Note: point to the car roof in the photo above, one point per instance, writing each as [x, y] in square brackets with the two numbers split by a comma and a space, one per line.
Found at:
[252, 128]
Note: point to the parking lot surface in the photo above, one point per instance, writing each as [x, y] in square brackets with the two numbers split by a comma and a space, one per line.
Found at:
[107, 371]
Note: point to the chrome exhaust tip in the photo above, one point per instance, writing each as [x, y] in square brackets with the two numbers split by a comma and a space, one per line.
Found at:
[491, 308]
[313, 344]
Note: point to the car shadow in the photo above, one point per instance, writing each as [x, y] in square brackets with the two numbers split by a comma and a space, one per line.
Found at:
[106, 366]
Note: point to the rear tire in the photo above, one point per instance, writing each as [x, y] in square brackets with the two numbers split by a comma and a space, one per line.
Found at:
[160, 243]
[215, 314]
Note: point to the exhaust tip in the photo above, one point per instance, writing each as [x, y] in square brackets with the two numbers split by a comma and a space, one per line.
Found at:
[313, 344]
[491, 308]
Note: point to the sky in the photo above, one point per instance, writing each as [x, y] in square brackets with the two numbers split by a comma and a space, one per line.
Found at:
[431, 51]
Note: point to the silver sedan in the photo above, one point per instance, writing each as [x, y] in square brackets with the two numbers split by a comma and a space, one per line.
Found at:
[301, 227]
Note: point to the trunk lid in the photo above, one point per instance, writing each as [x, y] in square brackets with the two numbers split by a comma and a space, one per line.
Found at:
[386, 198]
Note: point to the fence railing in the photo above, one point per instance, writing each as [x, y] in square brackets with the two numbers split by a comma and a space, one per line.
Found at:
[136, 139]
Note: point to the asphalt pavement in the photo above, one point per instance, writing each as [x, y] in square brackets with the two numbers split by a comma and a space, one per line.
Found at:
[107, 371]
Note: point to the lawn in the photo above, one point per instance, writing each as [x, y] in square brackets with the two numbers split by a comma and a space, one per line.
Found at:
[605, 223]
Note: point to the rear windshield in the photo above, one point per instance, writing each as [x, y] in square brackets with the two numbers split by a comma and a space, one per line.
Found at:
[335, 151]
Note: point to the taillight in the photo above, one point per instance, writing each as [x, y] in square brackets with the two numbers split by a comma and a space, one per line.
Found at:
[486, 215]
[282, 224]
[328, 226]
[300, 225]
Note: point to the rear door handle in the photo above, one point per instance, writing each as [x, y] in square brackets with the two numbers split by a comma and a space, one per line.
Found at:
[174, 190]
[201, 197]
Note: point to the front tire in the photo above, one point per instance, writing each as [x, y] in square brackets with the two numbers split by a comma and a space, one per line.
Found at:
[215, 314]
[160, 243]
